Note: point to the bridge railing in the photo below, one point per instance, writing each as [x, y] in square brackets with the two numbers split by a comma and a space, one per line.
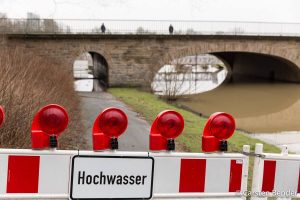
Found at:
[160, 27]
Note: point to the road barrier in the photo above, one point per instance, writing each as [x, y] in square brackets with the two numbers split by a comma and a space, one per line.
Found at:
[200, 175]
[28, 173]
[161, 173]
[275, 175]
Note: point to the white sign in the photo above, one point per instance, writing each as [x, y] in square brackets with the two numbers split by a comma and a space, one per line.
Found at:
[102, 177]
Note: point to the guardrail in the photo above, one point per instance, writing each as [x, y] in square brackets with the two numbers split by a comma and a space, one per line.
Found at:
[148, 27]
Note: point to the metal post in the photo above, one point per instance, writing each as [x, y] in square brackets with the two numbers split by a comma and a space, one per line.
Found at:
[284, 150]
[257, 174]
[246, 149]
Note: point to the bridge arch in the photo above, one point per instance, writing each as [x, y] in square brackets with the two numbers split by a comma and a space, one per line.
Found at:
[245, 63]
[92, 69]
[101, 69]
[249, 67]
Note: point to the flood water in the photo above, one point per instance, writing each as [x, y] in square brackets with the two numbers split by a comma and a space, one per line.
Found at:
[257, 107]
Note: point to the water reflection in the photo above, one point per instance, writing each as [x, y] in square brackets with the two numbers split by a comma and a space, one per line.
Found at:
[193, 82]
[84, 85]
[259, 107]
[83, 74]
[90, 72]
[189, 75]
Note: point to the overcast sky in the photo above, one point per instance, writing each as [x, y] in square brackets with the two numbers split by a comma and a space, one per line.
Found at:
[216, 10]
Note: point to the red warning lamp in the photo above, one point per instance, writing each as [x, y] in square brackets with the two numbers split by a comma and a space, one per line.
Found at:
[108, 126]
[47, 125]
[2, 115]
[219, 127]
[166, 127]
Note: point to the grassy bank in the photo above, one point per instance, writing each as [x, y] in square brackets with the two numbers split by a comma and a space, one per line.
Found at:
[148, 105]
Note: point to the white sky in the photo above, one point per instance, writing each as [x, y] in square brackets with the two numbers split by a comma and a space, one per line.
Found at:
[216, 10]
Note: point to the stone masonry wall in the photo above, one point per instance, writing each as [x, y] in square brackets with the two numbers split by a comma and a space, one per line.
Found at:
[133, 59]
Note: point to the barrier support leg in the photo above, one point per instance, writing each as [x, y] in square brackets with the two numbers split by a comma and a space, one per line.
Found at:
[246, 149]
[257, 174]
[284, 152]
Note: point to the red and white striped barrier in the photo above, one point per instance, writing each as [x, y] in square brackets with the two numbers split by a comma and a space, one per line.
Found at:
[34, 174]
[26, 173]
[275, 175]
[200, 175]
[46, 173]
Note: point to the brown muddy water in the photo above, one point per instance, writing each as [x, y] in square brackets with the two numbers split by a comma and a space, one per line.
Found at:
[257, 107]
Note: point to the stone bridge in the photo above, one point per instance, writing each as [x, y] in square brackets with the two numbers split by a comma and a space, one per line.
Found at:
[133, 59]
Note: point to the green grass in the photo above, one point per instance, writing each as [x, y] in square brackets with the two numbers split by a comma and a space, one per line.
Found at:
[148, 105]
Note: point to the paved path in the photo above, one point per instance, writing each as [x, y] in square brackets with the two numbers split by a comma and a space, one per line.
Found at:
[136, 137]
[291, 139]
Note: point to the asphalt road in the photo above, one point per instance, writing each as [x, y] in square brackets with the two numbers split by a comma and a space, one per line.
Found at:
[135, 138]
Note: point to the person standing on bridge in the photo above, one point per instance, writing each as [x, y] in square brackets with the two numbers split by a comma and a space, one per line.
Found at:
[103, 29]
[171, 29]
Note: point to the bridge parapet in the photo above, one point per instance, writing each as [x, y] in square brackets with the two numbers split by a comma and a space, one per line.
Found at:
[147, 27]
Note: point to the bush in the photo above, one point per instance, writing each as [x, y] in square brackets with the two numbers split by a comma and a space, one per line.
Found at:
[27, 83]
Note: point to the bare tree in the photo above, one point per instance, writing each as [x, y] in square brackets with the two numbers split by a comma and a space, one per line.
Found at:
[50, 26]
[33, 24]
[5, 24]
[28, 82]
[141, 30]
[169, 81]
[238, 30]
